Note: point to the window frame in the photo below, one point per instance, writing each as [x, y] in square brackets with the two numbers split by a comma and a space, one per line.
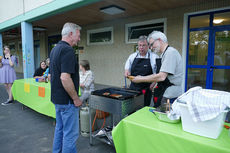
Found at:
[12, 49]
[154, 21]
[105, 29]
[19, 46]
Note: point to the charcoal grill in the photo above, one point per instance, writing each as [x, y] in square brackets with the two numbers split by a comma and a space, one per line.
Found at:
[118, 107]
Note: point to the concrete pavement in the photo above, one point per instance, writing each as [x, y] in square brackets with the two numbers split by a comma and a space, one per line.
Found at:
[26, 131]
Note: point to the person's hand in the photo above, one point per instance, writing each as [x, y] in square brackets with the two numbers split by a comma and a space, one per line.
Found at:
[137, 79]
[152, 85]
[49, 77]
[41, 79]
[127, 73]
[77, 102]
[7, 55]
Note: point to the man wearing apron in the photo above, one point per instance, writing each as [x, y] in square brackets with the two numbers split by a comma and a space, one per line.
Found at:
[161, 86]
[169, 70]
[141, 63]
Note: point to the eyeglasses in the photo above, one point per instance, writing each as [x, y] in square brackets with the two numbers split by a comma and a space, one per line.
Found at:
[142, 46]
[151, 45]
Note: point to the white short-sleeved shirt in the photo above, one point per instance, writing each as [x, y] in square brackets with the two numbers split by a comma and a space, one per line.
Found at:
[131, 58]
[172, 64]
[88, 80]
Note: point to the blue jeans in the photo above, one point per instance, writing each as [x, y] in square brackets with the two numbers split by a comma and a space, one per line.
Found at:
[67, 129]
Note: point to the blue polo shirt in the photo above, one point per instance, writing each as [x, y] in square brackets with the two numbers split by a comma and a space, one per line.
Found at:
[63, 60]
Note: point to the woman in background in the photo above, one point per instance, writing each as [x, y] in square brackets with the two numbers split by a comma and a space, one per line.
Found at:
[86, 80]
[41, 70]
[7, 73]
[46, 73]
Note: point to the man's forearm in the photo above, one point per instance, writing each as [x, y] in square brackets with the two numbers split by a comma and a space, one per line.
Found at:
[154, 77]
[49, 77]
[149, 78]
[69, 87]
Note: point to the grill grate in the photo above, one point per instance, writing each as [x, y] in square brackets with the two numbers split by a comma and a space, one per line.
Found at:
[116, 93]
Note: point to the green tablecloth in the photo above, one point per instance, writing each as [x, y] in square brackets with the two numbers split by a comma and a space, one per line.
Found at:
[27, 92]
[142, 132]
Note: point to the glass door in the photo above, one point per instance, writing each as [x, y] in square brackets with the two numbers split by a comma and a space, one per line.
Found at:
[220, 69]
[208, 51]
[197, 58]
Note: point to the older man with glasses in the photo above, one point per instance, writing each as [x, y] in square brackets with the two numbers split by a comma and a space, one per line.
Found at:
[169, 71]
[141, 63]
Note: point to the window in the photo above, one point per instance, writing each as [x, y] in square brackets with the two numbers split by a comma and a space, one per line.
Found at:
[199, 21]
[221, 19]
[19, 46]
[100, 36]
[52, 42]
[134, 30]
[12, 47]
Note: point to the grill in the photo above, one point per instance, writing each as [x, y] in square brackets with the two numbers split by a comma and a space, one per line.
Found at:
[122, 94]
[118, 102]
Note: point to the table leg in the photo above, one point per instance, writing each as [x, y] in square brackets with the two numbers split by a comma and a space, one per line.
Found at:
[120, 118]
[90, 128]
[112, 119]
[23, 107]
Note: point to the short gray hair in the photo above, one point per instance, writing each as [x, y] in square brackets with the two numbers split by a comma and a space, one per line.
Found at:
[69, 27]
[158, 35]
[142, 38]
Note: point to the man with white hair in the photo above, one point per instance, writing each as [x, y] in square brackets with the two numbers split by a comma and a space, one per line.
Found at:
[169, 70]
[64, 71]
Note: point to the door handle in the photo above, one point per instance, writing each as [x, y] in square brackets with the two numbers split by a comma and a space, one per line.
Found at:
[212, 67]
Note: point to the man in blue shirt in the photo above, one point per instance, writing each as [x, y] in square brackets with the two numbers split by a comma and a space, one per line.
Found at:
[64, 71]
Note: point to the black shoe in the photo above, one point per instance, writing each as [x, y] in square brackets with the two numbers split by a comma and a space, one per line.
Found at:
[8, 102]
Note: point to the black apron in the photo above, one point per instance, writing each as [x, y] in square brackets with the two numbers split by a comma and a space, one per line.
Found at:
[142, 66]
[161, 86]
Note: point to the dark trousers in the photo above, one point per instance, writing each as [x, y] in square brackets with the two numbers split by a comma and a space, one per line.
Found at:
[147, 97]
[145, 90]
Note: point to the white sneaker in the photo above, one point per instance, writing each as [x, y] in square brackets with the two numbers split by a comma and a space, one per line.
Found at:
[8, 102]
